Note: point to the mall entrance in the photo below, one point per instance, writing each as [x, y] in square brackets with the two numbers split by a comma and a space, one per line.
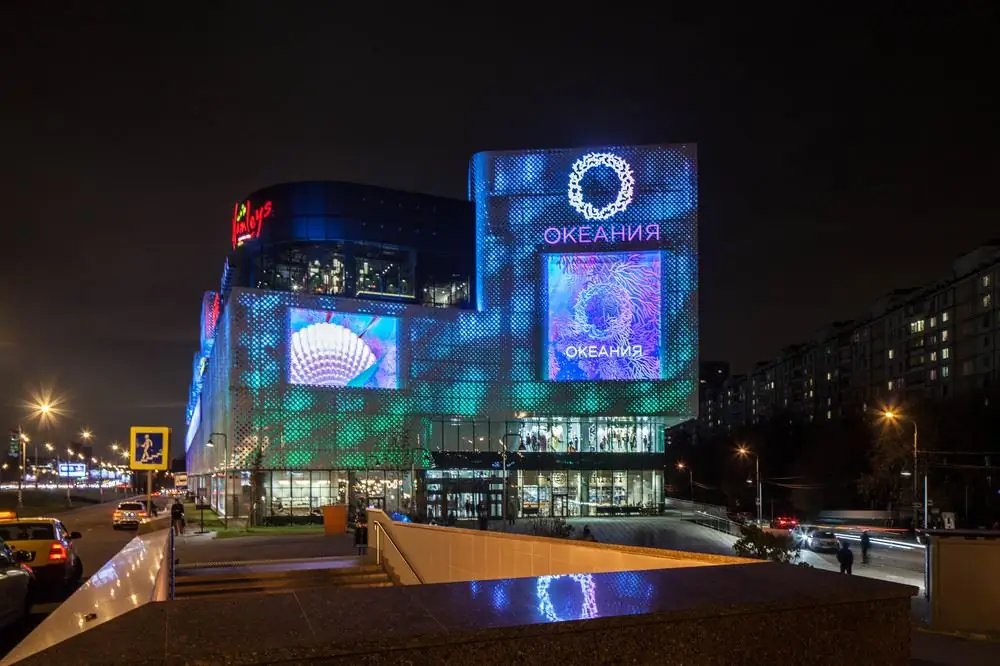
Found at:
[461, 498]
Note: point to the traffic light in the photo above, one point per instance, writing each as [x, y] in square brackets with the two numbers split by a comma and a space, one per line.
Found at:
[15, 444]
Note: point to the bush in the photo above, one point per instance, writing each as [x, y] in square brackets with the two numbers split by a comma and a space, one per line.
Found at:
[283, 521]
[556, 528]
[761, 545]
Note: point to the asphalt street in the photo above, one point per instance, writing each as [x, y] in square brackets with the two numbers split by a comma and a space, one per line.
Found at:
[99, 544]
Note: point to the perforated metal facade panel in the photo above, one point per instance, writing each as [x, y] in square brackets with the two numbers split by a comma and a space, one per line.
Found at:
[520, 198]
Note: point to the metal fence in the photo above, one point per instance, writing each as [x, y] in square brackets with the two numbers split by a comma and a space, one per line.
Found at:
[708, 515]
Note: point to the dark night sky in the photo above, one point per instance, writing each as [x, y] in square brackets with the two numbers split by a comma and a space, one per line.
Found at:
[840, 156]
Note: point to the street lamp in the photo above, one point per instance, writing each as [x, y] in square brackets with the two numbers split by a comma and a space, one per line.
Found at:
[743, 452]
[895, 416]
[682, 466]
[22, 440]
[225, 472]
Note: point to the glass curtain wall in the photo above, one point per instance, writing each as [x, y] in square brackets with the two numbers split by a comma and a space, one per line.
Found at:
[568, 493]
[553, 435]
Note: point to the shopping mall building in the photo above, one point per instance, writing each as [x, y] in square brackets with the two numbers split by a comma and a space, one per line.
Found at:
[405, 350]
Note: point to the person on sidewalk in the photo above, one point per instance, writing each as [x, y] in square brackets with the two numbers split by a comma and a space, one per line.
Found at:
[845, 557]
[866, 544]
[177, 517]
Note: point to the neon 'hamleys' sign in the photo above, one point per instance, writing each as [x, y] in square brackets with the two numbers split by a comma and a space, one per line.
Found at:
[247, 221]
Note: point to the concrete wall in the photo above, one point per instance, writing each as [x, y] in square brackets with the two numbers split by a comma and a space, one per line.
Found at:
[448, 554]
[965, 588]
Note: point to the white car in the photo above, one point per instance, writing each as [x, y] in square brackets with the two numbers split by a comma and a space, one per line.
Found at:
[823, 540]
[129, 515]
[16, 586]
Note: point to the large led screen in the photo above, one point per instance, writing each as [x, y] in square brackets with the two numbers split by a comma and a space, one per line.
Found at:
[602, 316]
[340, 349]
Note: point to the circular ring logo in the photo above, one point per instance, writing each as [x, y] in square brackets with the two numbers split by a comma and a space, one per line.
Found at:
[625, 189]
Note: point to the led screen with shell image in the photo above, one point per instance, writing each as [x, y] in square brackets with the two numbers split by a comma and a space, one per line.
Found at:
[339, 349]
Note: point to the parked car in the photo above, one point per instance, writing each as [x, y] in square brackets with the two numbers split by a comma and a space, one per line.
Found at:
[49, 551]
[17, 586]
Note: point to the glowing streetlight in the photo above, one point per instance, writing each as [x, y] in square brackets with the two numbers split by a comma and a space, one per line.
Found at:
[86, 434]
[896, 417]
[681, 465]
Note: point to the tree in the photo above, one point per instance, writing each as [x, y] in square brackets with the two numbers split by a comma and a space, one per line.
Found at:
[891, 453]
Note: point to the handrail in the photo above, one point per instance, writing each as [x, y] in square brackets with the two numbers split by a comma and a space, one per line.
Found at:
[379, 530]
[172, 564]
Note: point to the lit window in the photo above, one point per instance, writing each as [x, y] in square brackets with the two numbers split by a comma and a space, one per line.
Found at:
[829, 376]
[944, 336]
[933, 356]
[829, 414]
[917, 326]
[987, 300]
[933, 374]
[890, 385]
[944, 317]
[892, 354]
[946, 353]
[933, 322]
[985, 280]
[945, 371]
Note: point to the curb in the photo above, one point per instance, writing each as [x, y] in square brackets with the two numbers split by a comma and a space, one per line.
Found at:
[985, 638]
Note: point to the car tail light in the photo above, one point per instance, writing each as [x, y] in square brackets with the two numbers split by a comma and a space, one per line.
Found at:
[57, 552]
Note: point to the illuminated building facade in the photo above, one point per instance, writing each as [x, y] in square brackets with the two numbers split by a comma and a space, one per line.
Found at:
[375, 346]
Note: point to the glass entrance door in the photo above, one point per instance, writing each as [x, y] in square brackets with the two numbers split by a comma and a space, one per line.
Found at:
[560, 506]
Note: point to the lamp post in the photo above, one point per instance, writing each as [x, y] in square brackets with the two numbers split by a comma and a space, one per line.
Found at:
[22, 441]
[895, 416]
[505, 513]
[682, 466]
[69, 457]
[743, 451]
[50, 449]
[225, 472]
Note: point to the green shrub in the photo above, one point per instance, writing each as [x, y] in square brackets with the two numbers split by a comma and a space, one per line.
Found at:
[762, 545]
[556, 528]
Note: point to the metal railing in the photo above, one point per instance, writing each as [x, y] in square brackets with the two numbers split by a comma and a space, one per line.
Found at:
[380, 532]
[172, 563]
[707, 515]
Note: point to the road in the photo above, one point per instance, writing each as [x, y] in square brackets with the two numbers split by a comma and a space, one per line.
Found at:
[99, 544]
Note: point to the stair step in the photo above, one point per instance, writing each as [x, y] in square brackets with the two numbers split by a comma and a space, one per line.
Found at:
[236, 574]
[225, 583]
[228, 590]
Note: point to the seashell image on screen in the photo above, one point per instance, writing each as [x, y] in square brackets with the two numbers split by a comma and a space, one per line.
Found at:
[341, 349]
[603, 318]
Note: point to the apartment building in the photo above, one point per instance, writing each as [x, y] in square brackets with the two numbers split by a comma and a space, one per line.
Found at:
[936, 340]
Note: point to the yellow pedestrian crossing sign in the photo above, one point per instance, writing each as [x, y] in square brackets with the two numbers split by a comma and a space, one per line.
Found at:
[150, 448]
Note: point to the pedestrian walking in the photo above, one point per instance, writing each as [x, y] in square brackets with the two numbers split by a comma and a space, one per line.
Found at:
[846, 558]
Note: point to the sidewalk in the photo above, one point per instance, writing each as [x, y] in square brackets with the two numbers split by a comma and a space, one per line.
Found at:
[194, 548]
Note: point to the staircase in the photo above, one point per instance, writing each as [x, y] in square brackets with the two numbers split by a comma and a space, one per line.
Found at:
[213, 579]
